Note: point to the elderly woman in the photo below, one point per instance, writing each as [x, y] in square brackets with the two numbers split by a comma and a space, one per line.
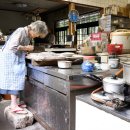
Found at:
[12, 57]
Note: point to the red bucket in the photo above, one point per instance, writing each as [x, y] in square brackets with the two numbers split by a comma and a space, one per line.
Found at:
[115, 49]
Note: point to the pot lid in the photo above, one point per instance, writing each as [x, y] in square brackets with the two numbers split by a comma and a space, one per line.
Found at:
[114, 81]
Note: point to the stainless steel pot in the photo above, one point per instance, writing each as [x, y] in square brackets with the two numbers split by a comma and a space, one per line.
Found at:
[113, 85]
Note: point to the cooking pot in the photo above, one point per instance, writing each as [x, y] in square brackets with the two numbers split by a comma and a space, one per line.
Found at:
[113, 62]
[113, 85]
[64, 64]
[121, 36]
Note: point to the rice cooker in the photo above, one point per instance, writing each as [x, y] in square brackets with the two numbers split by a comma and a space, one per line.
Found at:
[121, 36]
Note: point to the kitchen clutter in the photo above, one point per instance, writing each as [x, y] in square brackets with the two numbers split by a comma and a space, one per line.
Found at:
[88, 66]
[116, 10]
[112, 62]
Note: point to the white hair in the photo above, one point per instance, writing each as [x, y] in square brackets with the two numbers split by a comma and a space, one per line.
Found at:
[39, 27]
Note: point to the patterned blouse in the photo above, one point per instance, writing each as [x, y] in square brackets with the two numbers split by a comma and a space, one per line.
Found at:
[18, 37]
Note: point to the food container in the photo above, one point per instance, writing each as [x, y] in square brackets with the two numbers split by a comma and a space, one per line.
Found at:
[113, 62]
[64, 64]
[113, 85]
[121, 36]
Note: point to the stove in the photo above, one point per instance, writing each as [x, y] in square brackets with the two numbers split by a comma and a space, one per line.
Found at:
[114, 100]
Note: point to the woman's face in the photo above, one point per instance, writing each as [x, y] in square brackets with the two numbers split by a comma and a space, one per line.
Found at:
[32, 34]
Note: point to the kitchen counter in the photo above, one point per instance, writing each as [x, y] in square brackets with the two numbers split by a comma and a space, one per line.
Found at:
[68, 74]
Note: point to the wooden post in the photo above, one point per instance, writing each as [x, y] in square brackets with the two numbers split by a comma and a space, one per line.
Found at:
[71, 25]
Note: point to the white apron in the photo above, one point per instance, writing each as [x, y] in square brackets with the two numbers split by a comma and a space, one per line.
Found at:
[12, 70]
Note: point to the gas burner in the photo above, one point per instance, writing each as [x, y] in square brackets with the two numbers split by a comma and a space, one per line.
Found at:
[110, 99]
[119, 104]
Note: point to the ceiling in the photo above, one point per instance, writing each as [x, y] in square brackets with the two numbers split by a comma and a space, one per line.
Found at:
[29, 5]
[35, 6]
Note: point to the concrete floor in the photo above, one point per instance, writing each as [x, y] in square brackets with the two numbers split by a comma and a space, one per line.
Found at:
[4, 125]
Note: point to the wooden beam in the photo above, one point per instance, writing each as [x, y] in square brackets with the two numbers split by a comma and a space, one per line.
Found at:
[71, 25]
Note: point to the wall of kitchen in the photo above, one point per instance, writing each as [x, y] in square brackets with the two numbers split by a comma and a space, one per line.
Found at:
[12, 20]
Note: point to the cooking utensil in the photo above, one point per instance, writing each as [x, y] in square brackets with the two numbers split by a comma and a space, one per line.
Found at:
[113, 85]
[113, 62]
[94, 77]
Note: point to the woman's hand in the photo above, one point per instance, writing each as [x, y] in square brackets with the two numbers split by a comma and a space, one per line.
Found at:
[26, 48]
[30, 47]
